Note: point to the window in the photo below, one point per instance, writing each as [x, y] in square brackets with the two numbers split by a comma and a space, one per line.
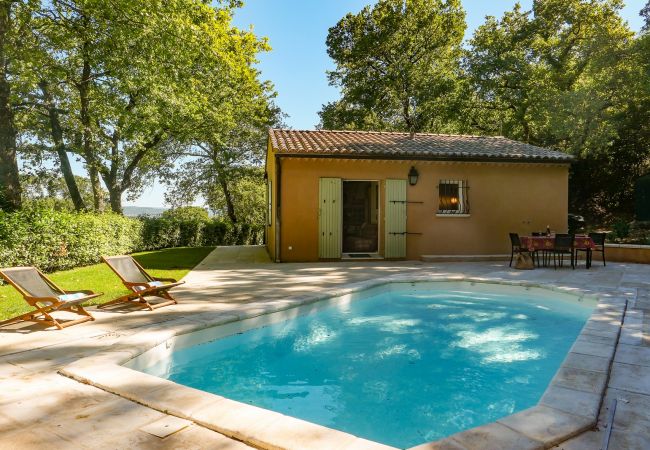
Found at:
[452, 197]
[269, 201]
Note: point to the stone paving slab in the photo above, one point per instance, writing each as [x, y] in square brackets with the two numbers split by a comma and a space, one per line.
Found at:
[632, 411]
[544, 424]
[633, 354]
[495, 436]
[587, 362]
[571, 401]
[242, 282]
[590, 440]
[630, 377]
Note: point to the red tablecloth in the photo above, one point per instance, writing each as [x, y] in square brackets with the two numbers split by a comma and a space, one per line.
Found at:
[533, 243]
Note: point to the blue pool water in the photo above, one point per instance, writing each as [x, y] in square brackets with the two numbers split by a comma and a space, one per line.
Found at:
[400, 368]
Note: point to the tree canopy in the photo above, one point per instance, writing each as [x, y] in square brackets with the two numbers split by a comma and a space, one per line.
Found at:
[137, 89]
[396, 63]
[124, 85]
[567, 74]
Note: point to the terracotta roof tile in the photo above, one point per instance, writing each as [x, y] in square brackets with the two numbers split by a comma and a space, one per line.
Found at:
[400, 145]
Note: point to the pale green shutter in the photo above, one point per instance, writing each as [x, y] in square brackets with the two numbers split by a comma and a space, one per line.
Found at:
[329, 218]
[395, 219]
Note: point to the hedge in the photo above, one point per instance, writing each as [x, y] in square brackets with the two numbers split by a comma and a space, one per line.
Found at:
[162, 232]
[58, 240]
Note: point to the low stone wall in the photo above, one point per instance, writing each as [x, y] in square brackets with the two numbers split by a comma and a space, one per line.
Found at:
[464, 258]
[625, 253]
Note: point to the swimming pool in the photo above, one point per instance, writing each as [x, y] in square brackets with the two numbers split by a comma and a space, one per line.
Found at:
[402, 364]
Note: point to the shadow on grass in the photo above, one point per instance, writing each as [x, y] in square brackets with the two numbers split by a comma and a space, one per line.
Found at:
[173, 258]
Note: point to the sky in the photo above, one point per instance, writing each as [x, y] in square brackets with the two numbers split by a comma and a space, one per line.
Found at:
[298, 61]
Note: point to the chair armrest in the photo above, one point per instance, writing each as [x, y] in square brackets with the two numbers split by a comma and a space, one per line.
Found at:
[84, 291]
[170, 280]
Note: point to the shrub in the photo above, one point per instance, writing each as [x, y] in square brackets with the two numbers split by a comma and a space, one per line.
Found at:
[620, 229]
[196, 231]
[186, 213]
[57, 240]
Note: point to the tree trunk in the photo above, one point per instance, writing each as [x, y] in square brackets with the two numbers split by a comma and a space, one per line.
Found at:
[95, 183]
[408, 119]
[10, 195]
[230, 207]
[110, 175]
[115, 195]
[57, 137]
[115, 189]
[89, 153]
[524, 123]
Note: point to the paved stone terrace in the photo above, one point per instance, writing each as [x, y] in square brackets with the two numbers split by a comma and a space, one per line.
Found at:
[41, 409]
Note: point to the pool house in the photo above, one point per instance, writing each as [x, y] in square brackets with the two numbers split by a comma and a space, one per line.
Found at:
[371, 195]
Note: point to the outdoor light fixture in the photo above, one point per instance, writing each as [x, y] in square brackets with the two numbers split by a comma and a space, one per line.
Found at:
[413, 176]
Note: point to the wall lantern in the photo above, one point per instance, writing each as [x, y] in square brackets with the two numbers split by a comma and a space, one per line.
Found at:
[413, 176]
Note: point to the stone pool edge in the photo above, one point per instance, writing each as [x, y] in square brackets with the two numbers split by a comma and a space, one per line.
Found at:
[569, 406]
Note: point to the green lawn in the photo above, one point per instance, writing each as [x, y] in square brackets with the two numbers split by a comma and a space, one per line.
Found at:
[168, 263]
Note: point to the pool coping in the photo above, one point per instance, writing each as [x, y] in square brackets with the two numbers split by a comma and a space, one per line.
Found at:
[569, 406]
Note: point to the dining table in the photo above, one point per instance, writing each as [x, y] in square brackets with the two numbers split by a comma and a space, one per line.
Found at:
[547, 242]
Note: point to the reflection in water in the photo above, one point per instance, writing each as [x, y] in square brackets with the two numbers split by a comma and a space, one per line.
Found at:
[500, 344]
[318, 334]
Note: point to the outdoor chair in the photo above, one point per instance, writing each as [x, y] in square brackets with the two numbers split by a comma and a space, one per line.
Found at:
[516, 247]
[564, 245]
[599, 240]
[136, 279]
[46, 297]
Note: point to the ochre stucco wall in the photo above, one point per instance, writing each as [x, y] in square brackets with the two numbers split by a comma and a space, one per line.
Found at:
[504, 197]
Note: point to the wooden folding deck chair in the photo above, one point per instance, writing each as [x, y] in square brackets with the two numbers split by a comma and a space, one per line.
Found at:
[135, 278]
[46, 297]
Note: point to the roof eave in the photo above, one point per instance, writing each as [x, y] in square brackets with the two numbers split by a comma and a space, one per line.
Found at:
[565, 160]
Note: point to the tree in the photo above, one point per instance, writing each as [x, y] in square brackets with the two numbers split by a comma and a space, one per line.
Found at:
[15, 42]
[396, 65]
[84, 40]
[499, 66]
[246, 200]
[47, 187]
[225, 169]
[645, 13]
[136, 77]
[546, 76]
[44, 130]
[57, 136]
[562, 76]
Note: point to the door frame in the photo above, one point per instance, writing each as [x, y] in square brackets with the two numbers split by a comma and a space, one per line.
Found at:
[380, 211]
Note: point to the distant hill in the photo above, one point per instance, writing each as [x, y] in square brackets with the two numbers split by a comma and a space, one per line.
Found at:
[134, 211]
